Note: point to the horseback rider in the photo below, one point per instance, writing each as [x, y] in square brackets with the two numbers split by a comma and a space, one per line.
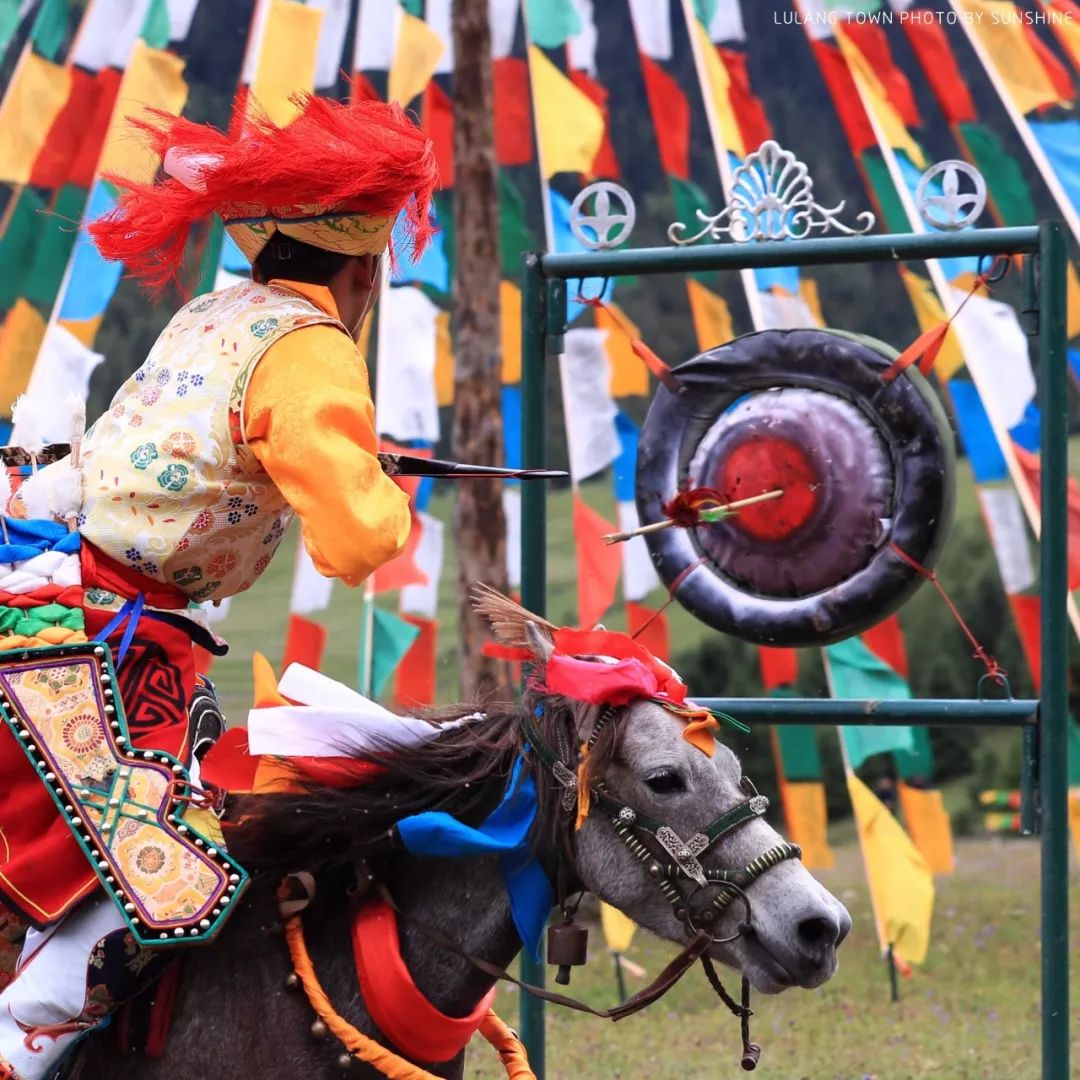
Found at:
[253, 405]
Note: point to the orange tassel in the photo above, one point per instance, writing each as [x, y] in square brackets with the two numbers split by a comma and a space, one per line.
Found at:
[584, 793]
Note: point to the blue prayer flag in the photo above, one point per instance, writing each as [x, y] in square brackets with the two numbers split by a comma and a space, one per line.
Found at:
[432, 268]
[93, 279]
[1026, 433]
[566, 241]
[626, 462]
[511, 414]
[987, 462]
[1060, 142]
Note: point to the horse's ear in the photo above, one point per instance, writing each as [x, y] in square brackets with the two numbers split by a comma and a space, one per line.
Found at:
[540, 643]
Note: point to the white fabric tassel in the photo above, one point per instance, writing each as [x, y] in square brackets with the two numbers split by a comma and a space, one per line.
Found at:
[5, 498]
[30, 416]
[77, 407]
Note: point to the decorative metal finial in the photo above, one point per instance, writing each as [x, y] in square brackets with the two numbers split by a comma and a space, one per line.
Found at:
[608, 228]
[952, 209]
[772, 198]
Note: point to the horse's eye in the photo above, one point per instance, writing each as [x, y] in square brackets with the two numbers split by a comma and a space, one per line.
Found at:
[665, 782]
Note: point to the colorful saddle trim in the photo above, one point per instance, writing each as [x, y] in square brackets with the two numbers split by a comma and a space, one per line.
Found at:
[125, 806]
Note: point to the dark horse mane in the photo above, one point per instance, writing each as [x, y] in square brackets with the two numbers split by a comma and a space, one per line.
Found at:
[463, 771]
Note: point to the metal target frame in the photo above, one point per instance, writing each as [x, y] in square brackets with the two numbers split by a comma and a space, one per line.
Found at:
[1043, 721]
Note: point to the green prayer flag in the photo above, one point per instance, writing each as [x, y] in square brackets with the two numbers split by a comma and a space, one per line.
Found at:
[156, 27]
[918, 762]
[1074, 753]
[391, 640]
[53, 249]
[515, 236]
[688, 199]
[211, 256]
[50, 27]
[9, 23]
[799, 754]
[881, 183]
[18, 242]
[856, 673]
[414, 7]
[444, 217]
[853, 7]
[1003, 174]
[705, 10]
[551, 22]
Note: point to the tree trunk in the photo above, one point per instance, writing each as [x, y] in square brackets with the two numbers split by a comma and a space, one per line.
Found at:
[479, 522]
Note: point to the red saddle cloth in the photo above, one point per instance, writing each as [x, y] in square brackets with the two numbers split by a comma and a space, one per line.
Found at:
[43, 871]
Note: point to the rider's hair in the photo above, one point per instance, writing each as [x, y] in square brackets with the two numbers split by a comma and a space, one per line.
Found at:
[293, 260]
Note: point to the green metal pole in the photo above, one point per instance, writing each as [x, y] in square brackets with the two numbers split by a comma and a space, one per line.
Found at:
[1053, 741]
[533, 558]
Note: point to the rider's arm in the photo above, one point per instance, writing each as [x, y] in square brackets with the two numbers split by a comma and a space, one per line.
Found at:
[310, 420]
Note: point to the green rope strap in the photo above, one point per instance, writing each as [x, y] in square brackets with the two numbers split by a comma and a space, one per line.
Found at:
[29, 622]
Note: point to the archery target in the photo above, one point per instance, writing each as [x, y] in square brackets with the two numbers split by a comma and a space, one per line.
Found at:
[863, 465]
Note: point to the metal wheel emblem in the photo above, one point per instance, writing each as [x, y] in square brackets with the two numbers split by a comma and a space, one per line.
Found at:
[759, 804]
[607, 227]
[953, 209]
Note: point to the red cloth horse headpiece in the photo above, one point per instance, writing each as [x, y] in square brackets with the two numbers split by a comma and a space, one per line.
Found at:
[336, 178]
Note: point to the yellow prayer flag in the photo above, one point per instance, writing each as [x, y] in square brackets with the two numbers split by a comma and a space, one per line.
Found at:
[1072, 313]
[85, 330]
[929, 313]
[811, 296]
[153, 77]
[712, 319]
[929, 826]
[510, 325]
[287, 57]
[444, 361]
[998, 27]
[901, 885]
[1074, 817]
[807, 822]
[569, 125]
[618, 929]
[37, 92]
[415, 59]
[1067, 30]
[876, 101]
[629, 375]
[20, 339]
[719, 83]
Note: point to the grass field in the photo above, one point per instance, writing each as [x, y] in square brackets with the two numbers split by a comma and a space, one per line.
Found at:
[970, 1013]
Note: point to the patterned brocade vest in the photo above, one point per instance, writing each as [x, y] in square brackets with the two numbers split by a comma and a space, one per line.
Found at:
[169, 487]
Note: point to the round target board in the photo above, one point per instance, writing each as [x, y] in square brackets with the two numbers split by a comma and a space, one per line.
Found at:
[866, 467]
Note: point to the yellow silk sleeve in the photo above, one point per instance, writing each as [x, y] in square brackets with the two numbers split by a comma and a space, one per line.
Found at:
[310, 420]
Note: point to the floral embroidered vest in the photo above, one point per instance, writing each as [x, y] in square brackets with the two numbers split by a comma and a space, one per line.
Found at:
[169, 487]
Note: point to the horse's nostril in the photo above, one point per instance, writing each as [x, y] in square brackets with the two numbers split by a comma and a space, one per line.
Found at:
[818, 933]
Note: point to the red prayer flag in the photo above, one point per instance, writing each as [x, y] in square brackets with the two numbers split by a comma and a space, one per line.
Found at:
[1055, 69]
[438, 113]
[1029, 463]
[649, 626]
[886, 642]
[304, 643]
[845, 95]
[671, 118]
[779, 667]
[84, 161]
[513, 120]
[1027, 613]
[402, 571]
[414, 681]
[754, 126]
[598, 564]
[935, 56]
[871, 41]
[605, 164]
[53, 162]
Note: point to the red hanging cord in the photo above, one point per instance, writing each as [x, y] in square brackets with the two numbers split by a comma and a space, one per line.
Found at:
[672, 589]
[993, 669]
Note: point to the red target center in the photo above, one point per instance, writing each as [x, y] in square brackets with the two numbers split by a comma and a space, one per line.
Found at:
[766, 463]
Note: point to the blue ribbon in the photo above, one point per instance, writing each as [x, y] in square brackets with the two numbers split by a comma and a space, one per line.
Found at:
[505, 832]
[131, 612]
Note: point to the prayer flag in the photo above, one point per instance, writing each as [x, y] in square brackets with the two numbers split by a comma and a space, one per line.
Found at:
[392, 637]
[513, 117]
[311, 591]
[416, 56]
[938, 62]
[34, 98]
[415, 683]
[618, 929]
[650, 627]
[652, 27]
[779, 667]
[376, 30]
[287, 57]
[20, 338]
[597, 563]
[590, 411]
[64, 366]
[510, 330]
[328, 56]
[930, 314]
[806, 816]
[886, 641]
[423, 598]
[551, 22]
[629, 375]
[901, 884]
[570, 128]
[928, 824]
[984, 454]
[1008, 534]
[639, 574]
[304, 643]
[504, 21]
[407, 407]
[711, 315]
[671, 118]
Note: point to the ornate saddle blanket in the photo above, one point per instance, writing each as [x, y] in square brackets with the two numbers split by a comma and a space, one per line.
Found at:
[125, 807]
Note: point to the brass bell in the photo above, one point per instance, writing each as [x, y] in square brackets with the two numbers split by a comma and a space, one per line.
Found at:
[751, 1057]
[567, 947]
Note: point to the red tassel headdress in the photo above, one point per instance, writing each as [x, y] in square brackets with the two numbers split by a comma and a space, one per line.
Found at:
[336, 177]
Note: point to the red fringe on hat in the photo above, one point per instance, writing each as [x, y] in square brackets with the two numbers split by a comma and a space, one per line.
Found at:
[362, 156]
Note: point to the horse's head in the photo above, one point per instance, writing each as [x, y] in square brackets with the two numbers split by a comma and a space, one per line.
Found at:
[663, 826]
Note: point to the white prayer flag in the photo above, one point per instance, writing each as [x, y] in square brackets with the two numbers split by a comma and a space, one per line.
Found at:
[217, 613]
[376, 35]
[406, 402]
[1008, 534]
[424, 599]
[63, 366]
[181, 13]
[107, 33]
[511, 500]
[727, 22]
[335, 25]
[437, 16]
[582, 45]
[652, 27]
[786, 312]
[310, 589]
[639, 574]
[990, 330]
[590, 409]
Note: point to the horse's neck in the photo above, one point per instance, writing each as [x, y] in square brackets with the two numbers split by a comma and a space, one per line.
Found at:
[465, 901]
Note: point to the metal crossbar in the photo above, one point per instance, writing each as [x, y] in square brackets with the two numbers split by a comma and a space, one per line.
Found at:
[1043, 722]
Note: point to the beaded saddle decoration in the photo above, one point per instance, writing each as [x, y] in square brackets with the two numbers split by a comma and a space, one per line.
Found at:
[125, 806]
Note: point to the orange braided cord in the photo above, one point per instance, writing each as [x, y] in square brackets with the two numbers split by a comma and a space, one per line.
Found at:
[367, 1049]
[508, 1045]
[50, 635]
